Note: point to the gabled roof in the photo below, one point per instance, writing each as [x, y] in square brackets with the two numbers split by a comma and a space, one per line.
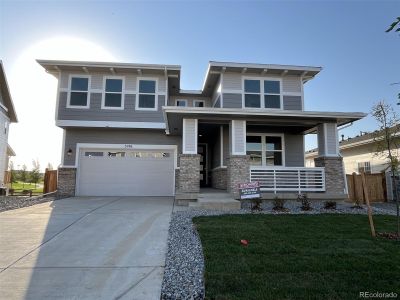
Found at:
[5, 92]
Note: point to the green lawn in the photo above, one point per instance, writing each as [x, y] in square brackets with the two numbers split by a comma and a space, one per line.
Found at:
[28, 186]
[297, 256]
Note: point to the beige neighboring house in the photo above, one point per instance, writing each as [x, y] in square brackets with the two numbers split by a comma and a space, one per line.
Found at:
[359, 155]
[7, 116]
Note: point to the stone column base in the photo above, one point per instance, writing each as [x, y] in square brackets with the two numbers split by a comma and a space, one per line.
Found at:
[334, 174]
[188, 181]
[238, 171]
[218, 178]
[66, 182]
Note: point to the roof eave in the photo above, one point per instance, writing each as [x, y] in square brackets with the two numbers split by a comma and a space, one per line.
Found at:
[7, 97]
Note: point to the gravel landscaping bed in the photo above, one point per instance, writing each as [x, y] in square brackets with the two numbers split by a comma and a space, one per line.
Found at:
[184, 263]
[14, 202]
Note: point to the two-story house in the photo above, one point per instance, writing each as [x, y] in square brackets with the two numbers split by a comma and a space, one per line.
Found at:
[130, 129]
[7, 116]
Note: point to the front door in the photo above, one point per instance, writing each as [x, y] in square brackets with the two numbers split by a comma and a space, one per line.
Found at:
[202, 150]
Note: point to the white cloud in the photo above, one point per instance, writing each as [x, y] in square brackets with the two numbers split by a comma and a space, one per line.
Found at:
[35, 136]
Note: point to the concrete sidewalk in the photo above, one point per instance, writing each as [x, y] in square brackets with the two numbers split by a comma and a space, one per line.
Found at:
[85, 248]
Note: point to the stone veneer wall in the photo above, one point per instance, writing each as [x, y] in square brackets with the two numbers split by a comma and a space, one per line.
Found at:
[218, 178]
[238, 171]
[334, 175]
[188, 181]
[66, 182]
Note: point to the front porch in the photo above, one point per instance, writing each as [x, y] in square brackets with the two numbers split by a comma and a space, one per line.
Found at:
[221, 152]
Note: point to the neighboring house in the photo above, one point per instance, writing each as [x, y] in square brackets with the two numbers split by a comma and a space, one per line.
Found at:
[7, 116]
[130, 129]
[359, 154]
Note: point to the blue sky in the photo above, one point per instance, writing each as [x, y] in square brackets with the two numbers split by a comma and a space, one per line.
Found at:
[346, 38]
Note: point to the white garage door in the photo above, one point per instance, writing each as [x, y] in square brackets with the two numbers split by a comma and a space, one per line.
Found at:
[125, 173]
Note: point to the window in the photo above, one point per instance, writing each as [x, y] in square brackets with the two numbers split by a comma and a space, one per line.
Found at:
[272, 94]
[116, 154]
[93, 154]
[79, 92]
[112, 98]
[270, 90]
[198, 103]
[265, 150]
[365, 167]
[182, 103]
[252, 93]
[147, 95]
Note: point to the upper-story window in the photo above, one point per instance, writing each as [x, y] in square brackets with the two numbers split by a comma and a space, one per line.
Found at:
[113, 95]
[181, 103]
[262, 93]
[198, 103]
[78, 92]
[147, 99]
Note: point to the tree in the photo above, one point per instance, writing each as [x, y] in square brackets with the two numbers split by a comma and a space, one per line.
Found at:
[394, 25]
[23, 176]
[387, 141]
[35, 173]
[13, 175]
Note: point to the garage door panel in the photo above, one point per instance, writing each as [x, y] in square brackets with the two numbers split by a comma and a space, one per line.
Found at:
[126, 176]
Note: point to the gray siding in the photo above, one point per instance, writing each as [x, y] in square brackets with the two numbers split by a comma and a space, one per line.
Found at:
[95, 113]
[115, 136]
[321, 139]
[216, 161]
[292, 103]
[232, 81]
[226, 144]
[232, 100]
[331, 138]
[294, 150]
[291, 84]
[218, 102]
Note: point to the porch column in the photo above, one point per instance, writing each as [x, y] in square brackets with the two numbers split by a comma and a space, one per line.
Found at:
[329, 158]
[238, 163]
[188, 177]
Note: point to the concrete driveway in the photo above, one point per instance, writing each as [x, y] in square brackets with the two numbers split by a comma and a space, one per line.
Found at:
[85, 248]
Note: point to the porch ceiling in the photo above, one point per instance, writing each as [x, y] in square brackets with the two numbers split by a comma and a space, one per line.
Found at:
[300, 121]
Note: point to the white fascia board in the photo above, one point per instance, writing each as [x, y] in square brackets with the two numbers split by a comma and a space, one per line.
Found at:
[264, 66]
[45, 63]
[110, 124]
[263, 112]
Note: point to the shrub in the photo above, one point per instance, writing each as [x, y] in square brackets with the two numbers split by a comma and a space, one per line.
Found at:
[330, 205]
[305, 202]
[256, 204]
[279, 204]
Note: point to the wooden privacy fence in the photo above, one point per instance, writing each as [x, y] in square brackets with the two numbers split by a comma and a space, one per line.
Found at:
[50, 181]
[7, 177]
[376, 185]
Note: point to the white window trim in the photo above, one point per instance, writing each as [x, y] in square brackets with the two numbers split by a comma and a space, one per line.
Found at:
[138, 93]
[70, 90]
[103, 97]
[199, 101]
[262, 92]
[264, 149]
[183, 100]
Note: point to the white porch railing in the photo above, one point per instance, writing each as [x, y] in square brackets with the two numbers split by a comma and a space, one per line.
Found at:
[289, 178]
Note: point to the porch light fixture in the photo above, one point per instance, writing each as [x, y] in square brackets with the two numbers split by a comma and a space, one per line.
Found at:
[69, 152]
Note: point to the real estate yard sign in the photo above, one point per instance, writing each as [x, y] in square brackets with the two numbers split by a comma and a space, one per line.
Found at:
[249, 190]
